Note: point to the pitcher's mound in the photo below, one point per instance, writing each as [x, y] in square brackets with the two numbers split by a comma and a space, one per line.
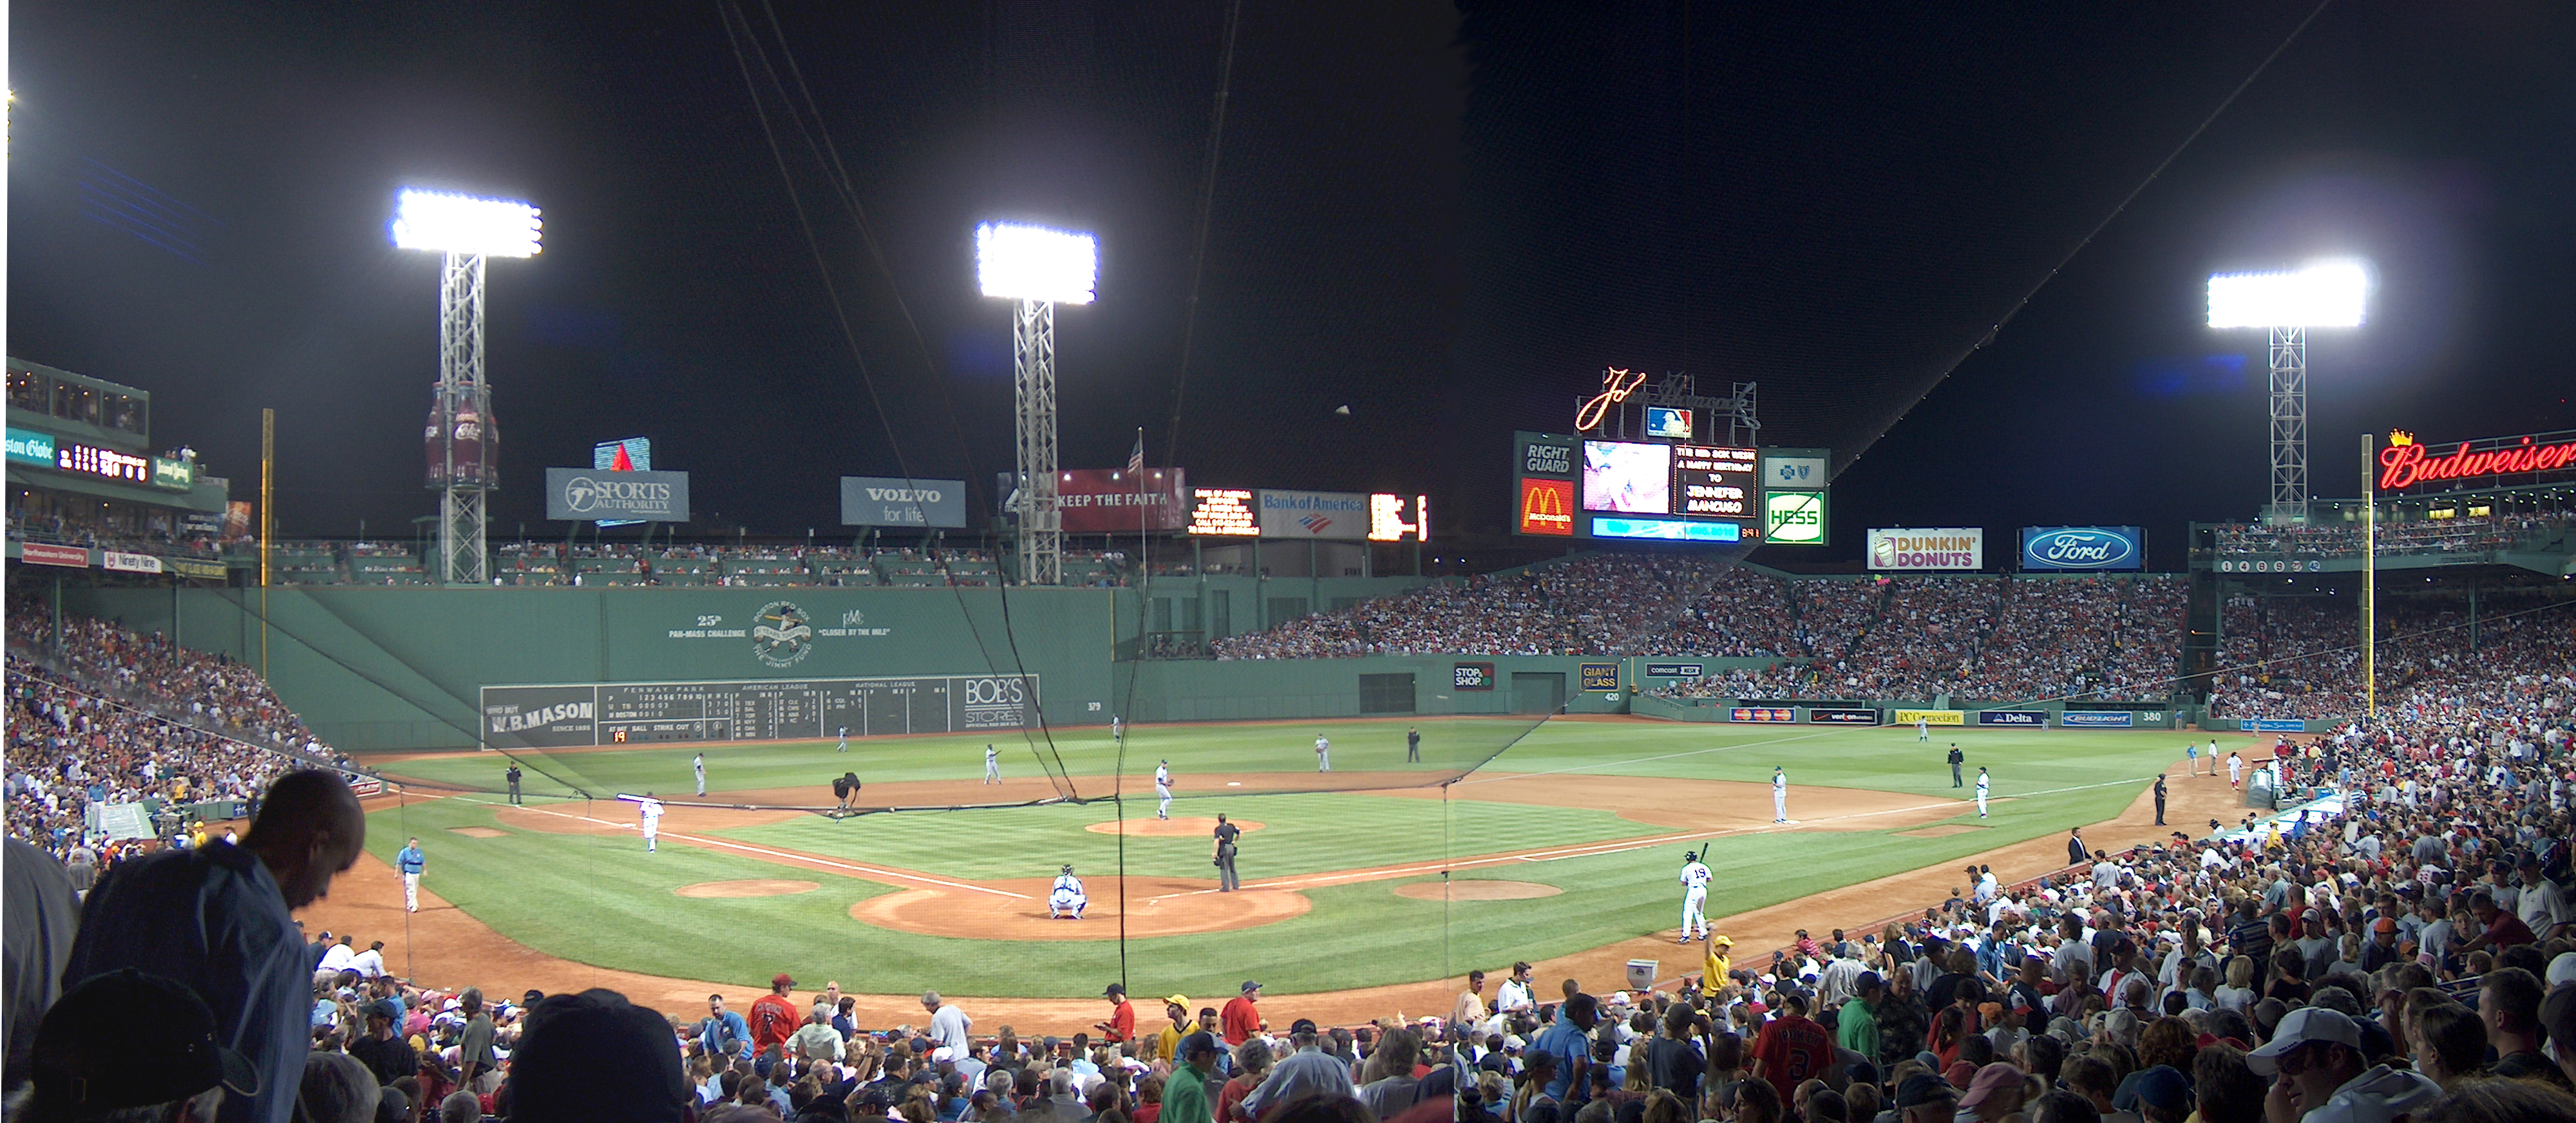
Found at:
[1185, 827]
[1473, 890]
[755, 887]
[480, 832]
[1942, 831]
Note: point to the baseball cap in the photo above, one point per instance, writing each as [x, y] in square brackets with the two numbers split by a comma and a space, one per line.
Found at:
[1923, 1088]
[2165, 1089]
[1723, 941]
[1302, 1025]
[1196, 1042]
[1991, 1079]
[2384, 924]
[386, 1008]
[1180, 1000]
[2562, 970]
[1249, 986]
[781, 980]
[1118, 989]
[2303, 1026]
[89, 1042]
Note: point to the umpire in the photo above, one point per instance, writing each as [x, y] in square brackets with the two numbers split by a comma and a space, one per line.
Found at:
[1226, 833]
[1956, 759]
[513, 775]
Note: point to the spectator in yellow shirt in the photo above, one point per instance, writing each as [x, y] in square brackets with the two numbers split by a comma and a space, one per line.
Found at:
[1712, 971]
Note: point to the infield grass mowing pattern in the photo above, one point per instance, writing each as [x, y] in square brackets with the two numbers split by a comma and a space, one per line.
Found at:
[1304, 833]
[599, 899]
[1449, 745]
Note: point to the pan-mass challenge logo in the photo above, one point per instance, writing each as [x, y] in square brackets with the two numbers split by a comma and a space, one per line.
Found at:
[781, 635]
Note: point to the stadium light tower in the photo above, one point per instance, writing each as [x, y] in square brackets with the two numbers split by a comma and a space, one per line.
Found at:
[2322, 294]
[1039, 268]
[461, 436]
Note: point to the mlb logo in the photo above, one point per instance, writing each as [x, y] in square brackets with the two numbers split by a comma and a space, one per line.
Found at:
[1315, 524]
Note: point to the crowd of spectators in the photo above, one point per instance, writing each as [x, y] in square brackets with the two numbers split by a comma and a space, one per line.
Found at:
[2113, 638]
[112, 716]
[2395, 537]
[156, 533]
[2408, 952]
[2301, 657]
[1599, 604]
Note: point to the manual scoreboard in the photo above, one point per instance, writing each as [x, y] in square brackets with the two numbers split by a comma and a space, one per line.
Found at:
[625, 713]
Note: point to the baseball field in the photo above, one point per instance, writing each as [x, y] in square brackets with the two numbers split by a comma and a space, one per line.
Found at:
[1556, 840]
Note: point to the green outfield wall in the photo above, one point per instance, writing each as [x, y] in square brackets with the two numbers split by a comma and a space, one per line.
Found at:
[383, 669]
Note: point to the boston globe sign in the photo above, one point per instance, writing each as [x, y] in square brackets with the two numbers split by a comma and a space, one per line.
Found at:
[588, 495]
[2088, 549]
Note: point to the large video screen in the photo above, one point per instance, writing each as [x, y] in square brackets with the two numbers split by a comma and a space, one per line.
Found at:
[1629, 478]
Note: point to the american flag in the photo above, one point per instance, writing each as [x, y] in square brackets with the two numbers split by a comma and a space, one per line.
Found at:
[1136, 459]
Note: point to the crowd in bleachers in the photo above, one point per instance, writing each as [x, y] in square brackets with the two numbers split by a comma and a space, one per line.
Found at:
[1599, 604]
[2301, 657]
[78, 528]
[2468, 534]
[2408, 955]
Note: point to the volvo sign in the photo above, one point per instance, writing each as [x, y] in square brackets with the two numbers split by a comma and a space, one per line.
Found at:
[2090, 549]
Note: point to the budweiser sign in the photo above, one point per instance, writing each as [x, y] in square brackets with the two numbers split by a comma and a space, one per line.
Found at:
[2404, 463]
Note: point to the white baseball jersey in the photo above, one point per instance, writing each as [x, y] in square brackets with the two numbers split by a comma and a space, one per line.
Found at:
[1162, 776]
[1779, 783]
[1981, 785]
[651, 810]
[1695, 877]
[1322, 745]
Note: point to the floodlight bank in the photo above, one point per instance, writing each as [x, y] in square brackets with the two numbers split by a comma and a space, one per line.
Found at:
[2324, 294]
[463, 224]
[1018, 262]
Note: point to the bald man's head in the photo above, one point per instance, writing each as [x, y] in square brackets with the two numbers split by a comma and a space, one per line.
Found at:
[309, 830]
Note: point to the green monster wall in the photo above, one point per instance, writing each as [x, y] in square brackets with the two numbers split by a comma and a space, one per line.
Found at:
[373, 668]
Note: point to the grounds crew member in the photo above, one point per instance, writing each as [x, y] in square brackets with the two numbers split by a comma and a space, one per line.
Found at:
[411, 862]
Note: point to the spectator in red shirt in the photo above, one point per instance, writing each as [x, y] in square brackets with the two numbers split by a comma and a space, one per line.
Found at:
[2498, 929]
[1791, 1049]
[773, 1018]
[1121, 1026]
[1240, 1020]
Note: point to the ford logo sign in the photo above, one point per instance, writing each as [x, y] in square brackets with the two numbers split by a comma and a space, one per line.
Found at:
[2081, 549]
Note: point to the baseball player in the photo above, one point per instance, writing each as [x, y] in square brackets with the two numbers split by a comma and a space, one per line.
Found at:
[2235, 769]
[1983, 783]
[845, 740]
[1067, 900]
[1323, 754]
[1117, 730]
[1695, 879]
[992, 765]
[1163, 789]
[651, 810]
[698, 764]
[1779, 795]
[410, 861]
[1922, 728]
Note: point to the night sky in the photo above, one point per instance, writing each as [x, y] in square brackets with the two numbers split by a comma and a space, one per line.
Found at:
[1448, 218]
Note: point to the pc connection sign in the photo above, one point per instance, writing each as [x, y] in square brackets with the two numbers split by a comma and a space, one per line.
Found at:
[1935, 548]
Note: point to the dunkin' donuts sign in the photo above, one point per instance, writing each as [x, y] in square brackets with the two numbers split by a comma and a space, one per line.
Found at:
[1950, 548]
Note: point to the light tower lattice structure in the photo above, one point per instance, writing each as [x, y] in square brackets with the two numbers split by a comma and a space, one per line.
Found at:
[461, 439]
[1038, 268]
[2329, 293]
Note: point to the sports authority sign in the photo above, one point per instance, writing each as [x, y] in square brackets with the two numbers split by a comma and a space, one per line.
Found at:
[590, 495]
[1332, 515]
[1951, 548]
[883, 501]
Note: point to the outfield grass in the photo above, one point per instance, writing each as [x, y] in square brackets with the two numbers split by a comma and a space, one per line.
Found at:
[599, 899]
